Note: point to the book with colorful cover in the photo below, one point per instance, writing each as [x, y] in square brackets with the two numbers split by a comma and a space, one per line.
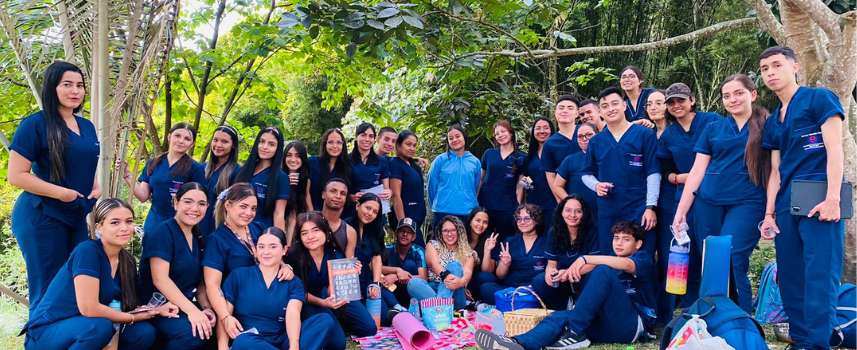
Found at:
[344, 279]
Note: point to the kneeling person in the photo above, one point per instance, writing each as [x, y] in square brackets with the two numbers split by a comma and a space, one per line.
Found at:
[615, 305]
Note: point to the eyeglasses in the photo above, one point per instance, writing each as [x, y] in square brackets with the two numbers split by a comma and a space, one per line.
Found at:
[585, 136]
[449, 231]
[523, 219]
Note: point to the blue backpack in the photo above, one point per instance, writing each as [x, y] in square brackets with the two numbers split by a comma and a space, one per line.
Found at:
[769, 305]
[724, 319]
[846, 317]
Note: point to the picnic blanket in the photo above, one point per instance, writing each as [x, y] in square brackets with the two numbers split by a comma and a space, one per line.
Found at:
[459, 335]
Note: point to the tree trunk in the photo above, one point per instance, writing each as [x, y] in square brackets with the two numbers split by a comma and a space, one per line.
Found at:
[204, 81]
[168, 110]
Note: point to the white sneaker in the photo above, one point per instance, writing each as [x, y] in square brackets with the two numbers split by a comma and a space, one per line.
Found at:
[571, 341]
[490, 341]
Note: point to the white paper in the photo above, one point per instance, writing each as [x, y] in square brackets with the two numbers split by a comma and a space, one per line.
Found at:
[385, 204]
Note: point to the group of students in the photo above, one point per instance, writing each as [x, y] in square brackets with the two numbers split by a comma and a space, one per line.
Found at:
[239, 252]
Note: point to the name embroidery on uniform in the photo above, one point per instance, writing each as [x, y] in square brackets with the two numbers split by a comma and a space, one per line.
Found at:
[635, 159]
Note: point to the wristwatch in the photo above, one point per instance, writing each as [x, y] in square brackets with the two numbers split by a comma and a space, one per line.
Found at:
[652, 207]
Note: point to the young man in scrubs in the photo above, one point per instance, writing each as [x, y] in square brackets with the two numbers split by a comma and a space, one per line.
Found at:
[623, 171]
[563, 142]
[804, 134]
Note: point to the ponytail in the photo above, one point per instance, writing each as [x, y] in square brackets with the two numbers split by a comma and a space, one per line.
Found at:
[127, 278]
[757, 159]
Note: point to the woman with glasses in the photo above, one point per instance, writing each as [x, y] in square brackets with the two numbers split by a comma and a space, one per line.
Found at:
[331, 162]
[450, 264]
[631, 80]
[520, 258]
[570, 171]
[264, 172]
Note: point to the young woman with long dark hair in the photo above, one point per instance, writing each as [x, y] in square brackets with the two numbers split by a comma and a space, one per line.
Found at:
[453, 179]
[309, 254]
[332, 162]
[296, 166]
[263, 171]
[368, 170]
[539, 191]
[165, 174]
[631, 80]
[53, 158]
[726, 185]
[501, 169]
[224, 160]
[99, 272]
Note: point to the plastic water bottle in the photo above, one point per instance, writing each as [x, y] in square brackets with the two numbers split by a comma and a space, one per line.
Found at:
[116, 305]
[677, 268]
[373, 305]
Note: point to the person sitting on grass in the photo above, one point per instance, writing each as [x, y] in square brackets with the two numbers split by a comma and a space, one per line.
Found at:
[615, 305]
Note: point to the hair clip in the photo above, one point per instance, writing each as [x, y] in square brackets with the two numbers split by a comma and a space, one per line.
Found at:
[222, 194]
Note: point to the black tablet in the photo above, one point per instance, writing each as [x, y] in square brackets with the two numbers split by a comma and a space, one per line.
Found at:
[806, 194]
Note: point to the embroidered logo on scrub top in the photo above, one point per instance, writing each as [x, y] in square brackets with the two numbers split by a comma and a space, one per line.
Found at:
[261, 190]
[539, 264]
[812, 141]
[377, 180]
[174, 187]
[634, 159]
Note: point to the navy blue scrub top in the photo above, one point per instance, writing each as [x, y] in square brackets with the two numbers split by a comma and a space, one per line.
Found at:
[80, 159]
[412, 188]
[556, 148]
[258, 305]
[164, 186]
[571, 170]
[626, 164]
[365, 250]
[525, 265]
[207, 224]
[632, 112]
[416, 255]
[316, 280]
[60, 302]
[501, 179]
[676, 144]
[564, 259]
[798, 138]
[640, 286]
[316, 182]
[224, 252]
[260, 185]
[541, 193]
[726, 180]
[168, 242]
[364, 176]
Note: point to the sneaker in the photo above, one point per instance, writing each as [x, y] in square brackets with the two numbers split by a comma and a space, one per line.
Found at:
[490, 341]
[568, 342]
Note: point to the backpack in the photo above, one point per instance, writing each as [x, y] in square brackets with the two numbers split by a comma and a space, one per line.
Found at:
[846, 317]
[724, 319]
[769, 305]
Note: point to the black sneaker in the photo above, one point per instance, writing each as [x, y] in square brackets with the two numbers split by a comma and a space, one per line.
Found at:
[568, 342]
[490, 341]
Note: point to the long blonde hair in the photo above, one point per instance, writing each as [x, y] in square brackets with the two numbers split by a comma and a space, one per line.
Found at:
[463, 250]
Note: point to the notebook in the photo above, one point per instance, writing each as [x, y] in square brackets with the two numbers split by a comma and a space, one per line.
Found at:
[806, 194]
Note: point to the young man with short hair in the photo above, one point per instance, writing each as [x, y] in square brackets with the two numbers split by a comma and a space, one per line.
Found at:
[623, 171]
[804, 134]
[334, 196]
[562, 143]
[403, 260]
[616, 304]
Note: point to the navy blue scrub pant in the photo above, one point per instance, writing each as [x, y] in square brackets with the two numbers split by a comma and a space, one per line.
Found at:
[603, 313]
[353, 316]
[176, 333]
[80, 333]
[741, 221]
[319, 331]
[45, 243]
[555, 298]
[811, 251]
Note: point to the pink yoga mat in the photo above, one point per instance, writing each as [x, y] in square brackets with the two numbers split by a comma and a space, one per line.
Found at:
[411, 332]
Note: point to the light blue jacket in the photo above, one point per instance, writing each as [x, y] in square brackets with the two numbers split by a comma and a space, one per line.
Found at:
[453, 182]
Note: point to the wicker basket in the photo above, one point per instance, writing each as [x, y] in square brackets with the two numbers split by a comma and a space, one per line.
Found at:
[523, 320]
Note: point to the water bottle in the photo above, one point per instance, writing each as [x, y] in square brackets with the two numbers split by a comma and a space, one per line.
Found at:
[373, 305]
[679, 261]
[116, 305]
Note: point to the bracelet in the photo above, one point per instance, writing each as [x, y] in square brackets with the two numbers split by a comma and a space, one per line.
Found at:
[770, 214]
[584, 259]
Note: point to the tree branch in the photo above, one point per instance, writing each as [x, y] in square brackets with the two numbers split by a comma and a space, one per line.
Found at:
[648, 46]
[492, 27]
[768, 21]
[822, 15]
